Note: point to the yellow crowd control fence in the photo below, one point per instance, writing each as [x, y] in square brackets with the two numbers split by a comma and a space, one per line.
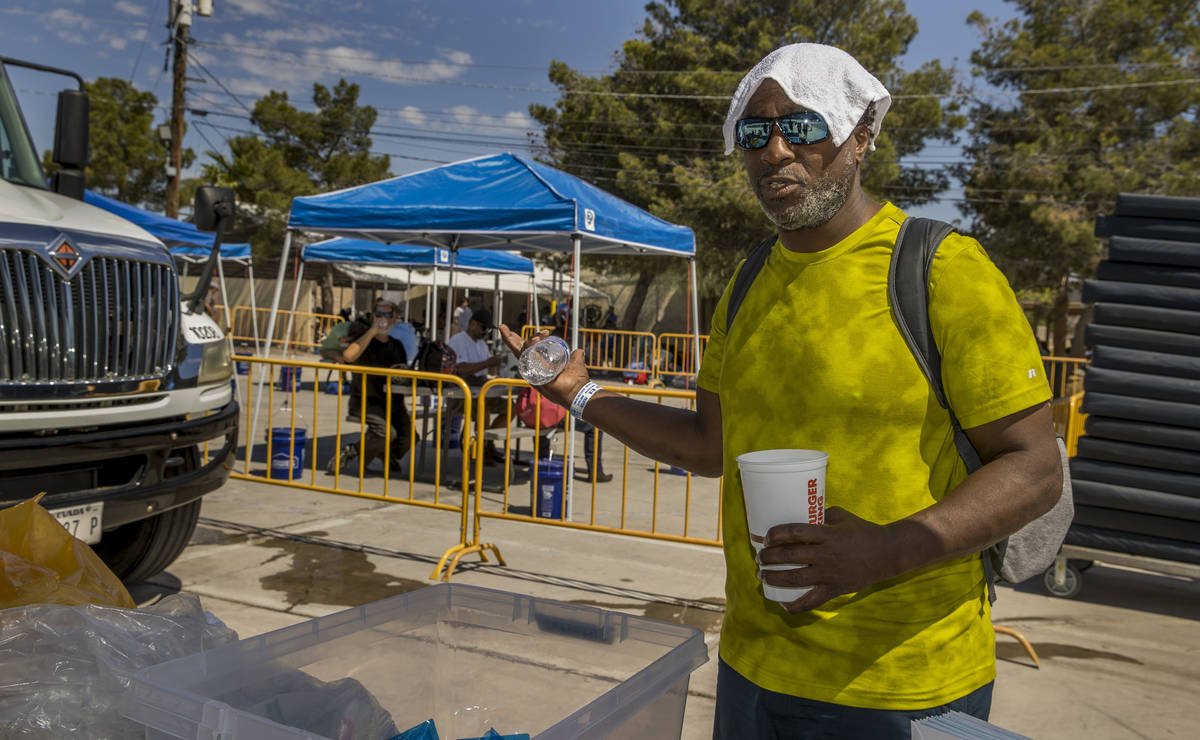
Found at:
[387, 435]
[613, 350]
[307, 329]
[676, 357]
[1065, 374]
[644, 498]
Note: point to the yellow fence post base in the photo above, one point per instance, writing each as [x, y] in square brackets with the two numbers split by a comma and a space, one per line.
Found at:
[460, 551]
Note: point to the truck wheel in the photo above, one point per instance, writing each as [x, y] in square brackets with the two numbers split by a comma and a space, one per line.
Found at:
[141, 549]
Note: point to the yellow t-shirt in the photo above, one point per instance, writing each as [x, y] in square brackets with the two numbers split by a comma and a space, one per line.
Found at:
[814, 360]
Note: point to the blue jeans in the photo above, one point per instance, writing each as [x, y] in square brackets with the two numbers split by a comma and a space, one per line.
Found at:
[747, 712]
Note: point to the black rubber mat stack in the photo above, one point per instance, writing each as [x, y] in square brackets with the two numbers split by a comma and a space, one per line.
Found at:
[1136, 477]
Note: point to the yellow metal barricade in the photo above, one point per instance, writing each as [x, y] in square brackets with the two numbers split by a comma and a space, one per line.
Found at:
[688, 509]
[296, 405]
[675, 356]
[1074, 425]
[613, 350]
[1065, 374]
[308, 329]
[528, 330]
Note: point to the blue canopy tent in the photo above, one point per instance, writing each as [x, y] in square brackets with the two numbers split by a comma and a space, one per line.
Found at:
[342, 250]
[185, 242]
[499, 201]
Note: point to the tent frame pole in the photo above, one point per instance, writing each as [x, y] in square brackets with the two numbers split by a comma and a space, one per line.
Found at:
[450, 287]
[695, 316]
[253, 308]
[569, 473]
[287, 249]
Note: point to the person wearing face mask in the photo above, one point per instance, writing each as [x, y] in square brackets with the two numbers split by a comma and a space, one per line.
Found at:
[896, 622]
[371, 346]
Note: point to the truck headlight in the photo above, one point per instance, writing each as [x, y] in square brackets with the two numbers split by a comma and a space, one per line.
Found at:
[217, 363]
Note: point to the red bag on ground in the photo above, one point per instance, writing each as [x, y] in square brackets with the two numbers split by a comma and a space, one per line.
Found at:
[527, 410]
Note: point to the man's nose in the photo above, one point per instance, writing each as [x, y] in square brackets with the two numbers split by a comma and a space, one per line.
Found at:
[777, 149]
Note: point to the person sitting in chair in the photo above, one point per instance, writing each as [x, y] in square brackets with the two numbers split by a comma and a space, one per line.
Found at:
[370, 346]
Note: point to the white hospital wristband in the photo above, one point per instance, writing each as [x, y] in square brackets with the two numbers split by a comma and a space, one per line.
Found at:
[582, 397]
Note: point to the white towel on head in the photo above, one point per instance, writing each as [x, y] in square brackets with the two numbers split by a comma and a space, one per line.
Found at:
[823, 79]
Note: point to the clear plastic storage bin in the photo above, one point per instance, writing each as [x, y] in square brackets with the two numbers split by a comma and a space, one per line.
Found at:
[469, 658]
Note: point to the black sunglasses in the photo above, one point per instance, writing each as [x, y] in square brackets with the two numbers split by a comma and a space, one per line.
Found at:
[804, 127]
[383, 314]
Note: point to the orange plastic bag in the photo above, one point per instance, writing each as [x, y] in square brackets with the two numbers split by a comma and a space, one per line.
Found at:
[41, 563]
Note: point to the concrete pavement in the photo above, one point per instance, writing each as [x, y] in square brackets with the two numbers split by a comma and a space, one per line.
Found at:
[1119, 661]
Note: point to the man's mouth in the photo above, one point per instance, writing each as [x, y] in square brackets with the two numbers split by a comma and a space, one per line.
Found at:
[776, 186]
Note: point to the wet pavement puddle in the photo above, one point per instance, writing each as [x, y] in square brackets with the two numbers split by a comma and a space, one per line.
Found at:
[330, 575]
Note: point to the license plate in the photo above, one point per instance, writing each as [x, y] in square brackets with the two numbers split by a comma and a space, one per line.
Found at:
[83, 521]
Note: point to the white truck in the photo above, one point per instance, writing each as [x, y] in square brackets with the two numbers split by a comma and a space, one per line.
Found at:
[112, 385]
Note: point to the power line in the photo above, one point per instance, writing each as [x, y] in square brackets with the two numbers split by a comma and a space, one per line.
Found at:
[724, 97]
[644, 71]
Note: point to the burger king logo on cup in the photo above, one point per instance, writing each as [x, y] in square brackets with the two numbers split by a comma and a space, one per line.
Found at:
[816, 503]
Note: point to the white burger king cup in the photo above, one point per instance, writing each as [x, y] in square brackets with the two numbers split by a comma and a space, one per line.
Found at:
[782, 487]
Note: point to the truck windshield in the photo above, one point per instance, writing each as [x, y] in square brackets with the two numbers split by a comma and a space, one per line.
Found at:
[18, 159]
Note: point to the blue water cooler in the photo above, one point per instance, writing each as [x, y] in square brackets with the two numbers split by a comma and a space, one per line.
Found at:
[547, 494]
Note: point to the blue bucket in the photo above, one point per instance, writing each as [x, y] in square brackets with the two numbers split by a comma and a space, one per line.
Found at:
[289, 378]
[284, 459]
[548, 493]
[243, 368]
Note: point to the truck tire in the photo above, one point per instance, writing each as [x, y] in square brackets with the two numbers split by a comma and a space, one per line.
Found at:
[1168, 528]
[1140, 500]
[1174, 230]
[1140, 385]
[1154, 341]
[1128, 453]
[1129, 272]
[1135, 476]
[1141, 294]
[1156, 251]
[1132, 544]
[1148, 205]
[1147, 317]
[1143, 361]
[141, 549]
[1142, 409]
[1161, 435]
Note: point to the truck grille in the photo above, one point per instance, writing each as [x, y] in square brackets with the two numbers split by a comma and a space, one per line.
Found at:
[116, 320]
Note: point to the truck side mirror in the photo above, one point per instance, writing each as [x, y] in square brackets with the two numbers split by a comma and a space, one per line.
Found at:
[71, 143]
[213, 205]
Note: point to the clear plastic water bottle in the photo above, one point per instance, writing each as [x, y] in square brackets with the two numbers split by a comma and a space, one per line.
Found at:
[542, 361]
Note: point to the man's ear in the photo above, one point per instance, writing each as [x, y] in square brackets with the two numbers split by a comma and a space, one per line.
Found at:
[862, 143]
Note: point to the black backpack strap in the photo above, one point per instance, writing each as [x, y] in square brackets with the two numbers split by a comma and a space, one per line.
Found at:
[741, 283]
[908, 293]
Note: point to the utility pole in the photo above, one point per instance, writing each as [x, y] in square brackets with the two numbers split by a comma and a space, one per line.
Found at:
[179, 20]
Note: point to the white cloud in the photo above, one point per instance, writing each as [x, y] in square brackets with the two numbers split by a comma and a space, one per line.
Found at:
[117, 42]
[319, 33]
[254, 7]
[412, 114]
[248, 86]
[64, 16]
[348, 60]
[467, 116]
[139, 35]
[129, 8]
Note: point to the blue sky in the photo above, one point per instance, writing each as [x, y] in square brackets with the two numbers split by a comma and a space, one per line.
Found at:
[460, 69]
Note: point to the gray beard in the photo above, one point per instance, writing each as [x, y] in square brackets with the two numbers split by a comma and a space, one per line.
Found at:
[822, 200]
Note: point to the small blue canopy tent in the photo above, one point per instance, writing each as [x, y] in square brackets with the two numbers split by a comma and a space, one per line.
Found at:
[185, 242]
[341, 250]
[181, 238]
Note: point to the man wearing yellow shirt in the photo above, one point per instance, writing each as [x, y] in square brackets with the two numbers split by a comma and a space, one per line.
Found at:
[897, 623]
